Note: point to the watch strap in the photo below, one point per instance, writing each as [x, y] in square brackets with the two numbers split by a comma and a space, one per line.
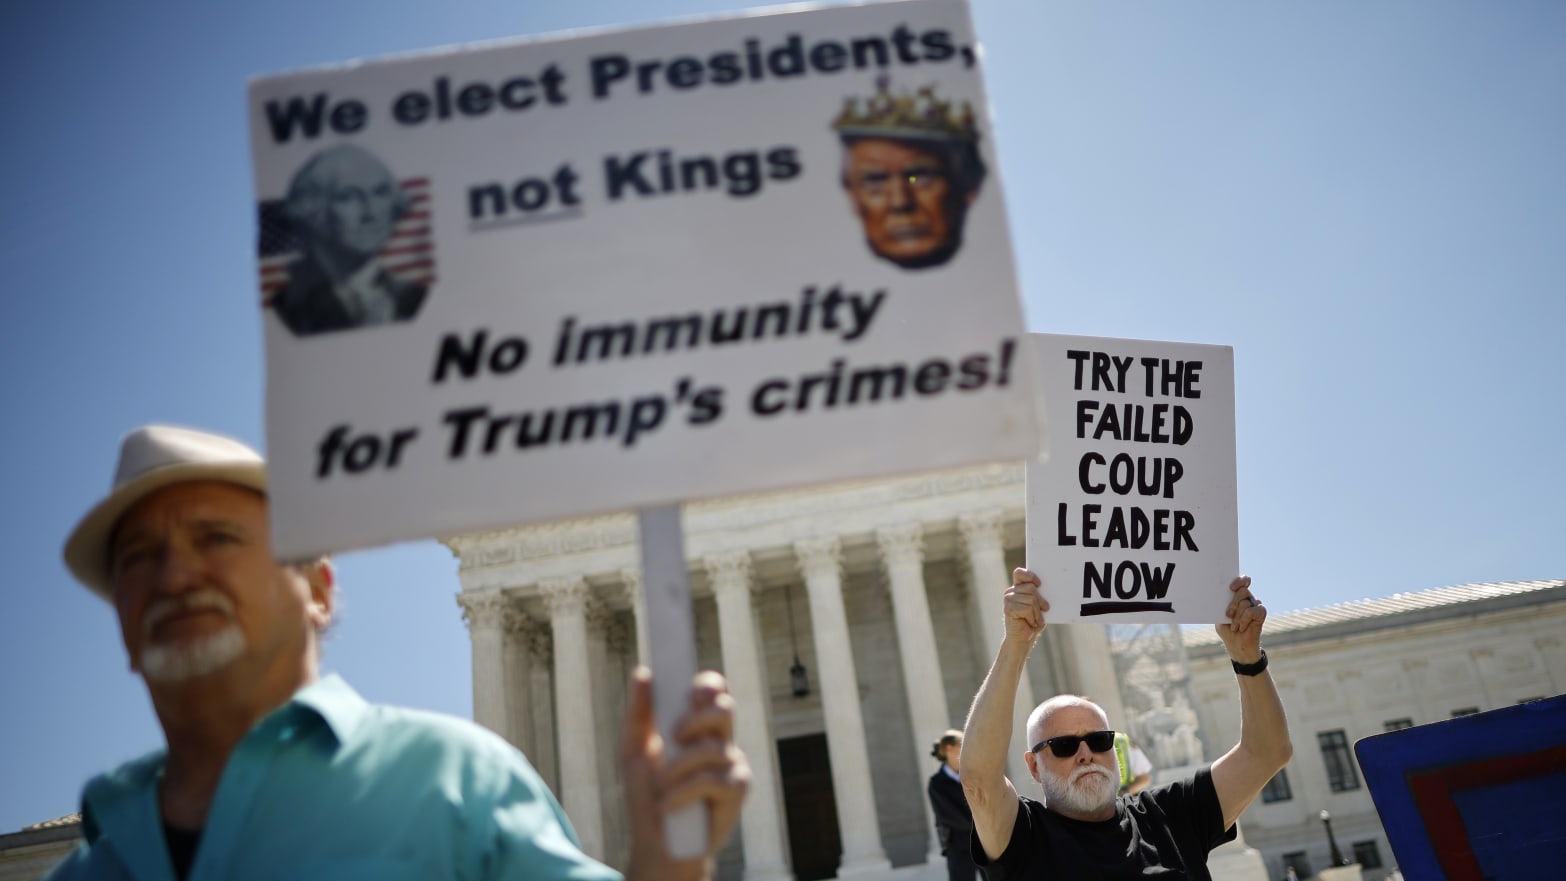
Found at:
[1253, 668]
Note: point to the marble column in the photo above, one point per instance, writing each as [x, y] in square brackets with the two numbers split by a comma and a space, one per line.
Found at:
[988, 579]
[1093, 664]
[853, 787]
[518, 662]
[488, 615]
[761, 828]
[566, 599]
[632, 579]
[608, 641]
[541, 703]
[902, 550]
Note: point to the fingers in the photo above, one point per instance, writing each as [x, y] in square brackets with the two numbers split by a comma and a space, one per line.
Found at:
[640, 728]
[1244, 610]
[1023, 602]
[707, 767]
[641, 750]
[711, 713]
[709, 771]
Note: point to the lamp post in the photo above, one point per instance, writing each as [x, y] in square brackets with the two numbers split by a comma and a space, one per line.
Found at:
[796, 673]
[1337, 855]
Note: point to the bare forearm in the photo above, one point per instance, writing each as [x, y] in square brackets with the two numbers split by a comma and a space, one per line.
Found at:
[1264, 748]
[987, 736]
[993, 798]
[988, 731]
[1264, 731]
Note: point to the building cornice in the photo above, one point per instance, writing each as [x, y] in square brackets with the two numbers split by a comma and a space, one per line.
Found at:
[1521, 597]
[521, 556]
[33, 836]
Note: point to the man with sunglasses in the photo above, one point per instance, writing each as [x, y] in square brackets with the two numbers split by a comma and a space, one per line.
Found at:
[1082, 829]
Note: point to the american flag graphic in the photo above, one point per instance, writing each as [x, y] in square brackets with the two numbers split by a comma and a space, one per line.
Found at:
[409, 254]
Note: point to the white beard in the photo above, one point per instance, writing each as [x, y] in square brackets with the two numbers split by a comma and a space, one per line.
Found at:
[1088, 790]
[187, 659]
[192, 658]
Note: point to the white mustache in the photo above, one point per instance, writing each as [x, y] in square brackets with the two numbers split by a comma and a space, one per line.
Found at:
[166, 608]
[1085, 770]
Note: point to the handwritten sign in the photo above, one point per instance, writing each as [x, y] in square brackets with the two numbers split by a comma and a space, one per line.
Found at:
[553, 277]
[1133, 516]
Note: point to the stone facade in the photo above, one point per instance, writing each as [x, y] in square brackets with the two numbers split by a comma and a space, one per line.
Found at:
[29, 854]
[873, 587]
[1358, 669]
[872, 584]
[858, 570]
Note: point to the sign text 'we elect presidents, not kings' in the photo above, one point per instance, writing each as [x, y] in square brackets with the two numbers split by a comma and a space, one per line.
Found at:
[565, 276]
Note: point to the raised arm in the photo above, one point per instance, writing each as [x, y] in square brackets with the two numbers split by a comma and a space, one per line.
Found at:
[992, 797]
[1264, 746]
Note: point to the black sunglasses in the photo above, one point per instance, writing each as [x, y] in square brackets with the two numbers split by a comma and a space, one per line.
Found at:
[1065, 746]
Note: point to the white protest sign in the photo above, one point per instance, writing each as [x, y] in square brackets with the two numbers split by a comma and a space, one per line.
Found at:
[553, 277]
[1133, 516]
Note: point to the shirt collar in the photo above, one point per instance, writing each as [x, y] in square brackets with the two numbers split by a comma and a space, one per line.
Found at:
[126, 797]
[335, 701]
[950, 773]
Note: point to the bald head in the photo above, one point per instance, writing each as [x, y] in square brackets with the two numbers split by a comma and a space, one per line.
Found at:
[1039, 719]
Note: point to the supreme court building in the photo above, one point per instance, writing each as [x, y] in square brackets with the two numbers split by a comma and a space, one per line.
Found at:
[854, 624]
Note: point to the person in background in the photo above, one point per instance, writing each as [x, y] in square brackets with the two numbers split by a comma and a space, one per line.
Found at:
[1136, 772]
[953, 820]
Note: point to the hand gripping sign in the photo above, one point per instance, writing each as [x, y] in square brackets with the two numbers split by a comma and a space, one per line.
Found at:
[554, 277]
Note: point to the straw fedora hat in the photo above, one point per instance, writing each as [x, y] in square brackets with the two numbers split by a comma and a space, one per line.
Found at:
[151, 458]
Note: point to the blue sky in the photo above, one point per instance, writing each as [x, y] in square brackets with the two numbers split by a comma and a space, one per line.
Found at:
[1367, 200]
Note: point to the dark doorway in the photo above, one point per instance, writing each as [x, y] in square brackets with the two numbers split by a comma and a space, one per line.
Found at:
[814, 845]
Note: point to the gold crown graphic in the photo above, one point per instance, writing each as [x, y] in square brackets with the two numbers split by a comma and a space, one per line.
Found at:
[917, 115]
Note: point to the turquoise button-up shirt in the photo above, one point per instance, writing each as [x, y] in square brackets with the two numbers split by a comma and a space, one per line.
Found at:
[331, 786]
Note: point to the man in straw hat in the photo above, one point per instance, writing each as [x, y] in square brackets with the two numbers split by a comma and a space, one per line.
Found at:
[272, 770]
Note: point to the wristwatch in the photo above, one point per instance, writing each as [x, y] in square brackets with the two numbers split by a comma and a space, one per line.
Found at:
[1251, 669]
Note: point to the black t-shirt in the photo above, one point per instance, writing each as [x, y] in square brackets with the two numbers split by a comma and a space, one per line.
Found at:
[1164, 832]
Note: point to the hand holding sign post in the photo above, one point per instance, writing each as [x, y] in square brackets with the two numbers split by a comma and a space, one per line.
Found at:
[667, 589]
